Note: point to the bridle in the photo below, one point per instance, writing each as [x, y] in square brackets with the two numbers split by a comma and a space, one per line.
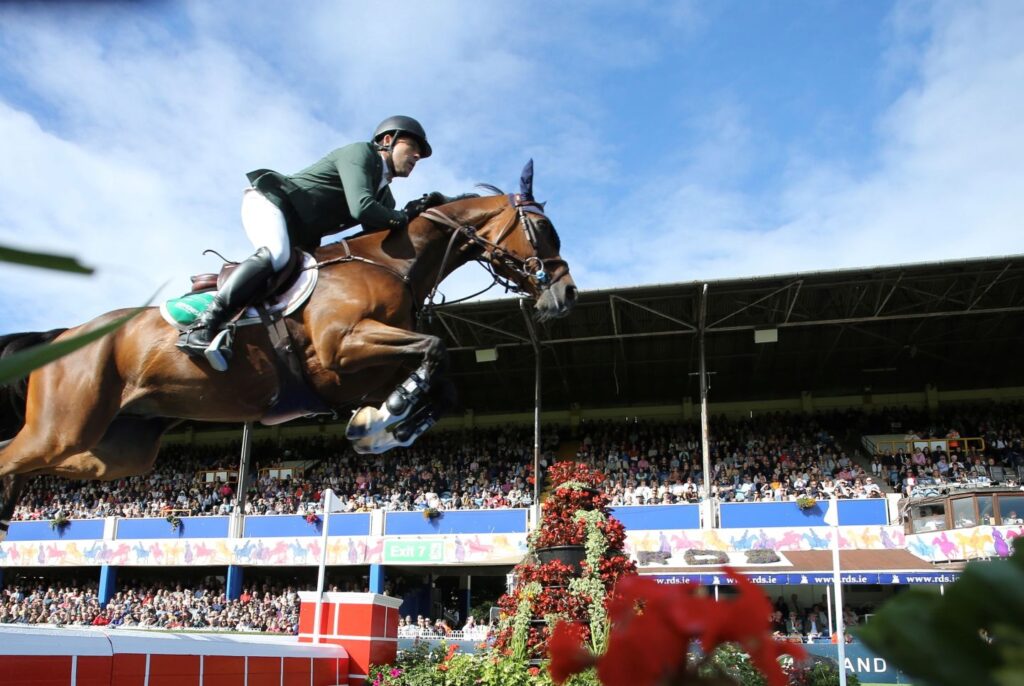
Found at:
[541, 271]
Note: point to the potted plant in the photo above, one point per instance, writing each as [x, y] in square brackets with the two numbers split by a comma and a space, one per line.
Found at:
[174, 521]
[431, 513]
[805, 502]
[59, 522]
[312, 518]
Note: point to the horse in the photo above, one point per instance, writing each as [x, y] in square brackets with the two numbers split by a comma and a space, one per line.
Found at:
[101, 411]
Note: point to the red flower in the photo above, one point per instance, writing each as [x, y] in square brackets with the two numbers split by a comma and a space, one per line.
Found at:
[653, 626]
[568, 655]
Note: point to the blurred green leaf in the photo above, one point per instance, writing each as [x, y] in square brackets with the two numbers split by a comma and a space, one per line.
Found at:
[43, 260]
[974, 634]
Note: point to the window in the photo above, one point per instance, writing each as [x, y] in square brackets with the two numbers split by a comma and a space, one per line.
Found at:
[929, 518]
[1011, 509]
[963, 513]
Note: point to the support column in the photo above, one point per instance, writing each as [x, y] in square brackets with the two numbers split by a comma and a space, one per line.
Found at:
[108, 584]
[234, 582]
[377, 579]
[467, 592]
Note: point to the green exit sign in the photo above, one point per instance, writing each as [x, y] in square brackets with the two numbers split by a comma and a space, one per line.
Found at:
[413, 551]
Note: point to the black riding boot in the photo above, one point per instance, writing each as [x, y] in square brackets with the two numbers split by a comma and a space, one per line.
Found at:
[205, 338]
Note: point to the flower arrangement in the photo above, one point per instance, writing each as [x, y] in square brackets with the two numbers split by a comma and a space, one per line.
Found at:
[761, 556]
[431, 513]
[174, 521]
[696, 556]
[312, 518]
[552, 573]
[59, 522]
[805, 502]
[575, 514]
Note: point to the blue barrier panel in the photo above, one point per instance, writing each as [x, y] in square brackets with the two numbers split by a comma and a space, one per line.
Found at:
[76, 530]
[759, 515]
[456, 522]
[357, 524]
[863, 512]
[655, 517]
[191, 527]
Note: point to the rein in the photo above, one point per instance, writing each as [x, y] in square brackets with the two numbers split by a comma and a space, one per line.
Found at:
[530, 268]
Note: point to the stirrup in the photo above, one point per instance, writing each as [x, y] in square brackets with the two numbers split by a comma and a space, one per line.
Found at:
[219, 351]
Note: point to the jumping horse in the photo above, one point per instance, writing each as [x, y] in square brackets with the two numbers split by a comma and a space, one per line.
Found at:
[101, 411]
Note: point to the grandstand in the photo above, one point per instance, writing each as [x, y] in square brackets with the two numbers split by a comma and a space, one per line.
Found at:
[874, 384]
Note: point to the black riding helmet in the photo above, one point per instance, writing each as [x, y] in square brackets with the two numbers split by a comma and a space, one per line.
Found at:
[406, 126]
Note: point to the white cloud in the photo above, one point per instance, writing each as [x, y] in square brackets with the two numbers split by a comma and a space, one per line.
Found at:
[945, 183]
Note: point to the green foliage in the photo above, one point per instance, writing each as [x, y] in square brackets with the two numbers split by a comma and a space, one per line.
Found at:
[481, 612]
[729, 661]
[974, 634]
[729, 664]
[43, 261]
[819, 673]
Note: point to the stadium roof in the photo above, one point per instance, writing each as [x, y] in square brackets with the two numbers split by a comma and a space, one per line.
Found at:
[954, 325]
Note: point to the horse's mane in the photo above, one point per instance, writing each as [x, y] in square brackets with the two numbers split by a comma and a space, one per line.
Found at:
[491, 189]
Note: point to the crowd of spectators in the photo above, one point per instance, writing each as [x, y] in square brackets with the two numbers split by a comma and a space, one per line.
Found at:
[926, 470]
[773, 457]
[267, 608]
[423, 627]
[811, 622]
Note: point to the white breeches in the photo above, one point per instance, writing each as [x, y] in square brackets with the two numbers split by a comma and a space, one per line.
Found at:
[266, 227]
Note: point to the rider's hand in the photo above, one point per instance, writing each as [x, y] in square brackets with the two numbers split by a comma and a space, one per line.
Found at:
[415, 208]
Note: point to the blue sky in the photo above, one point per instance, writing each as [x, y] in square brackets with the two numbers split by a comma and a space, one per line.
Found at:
[674, 141]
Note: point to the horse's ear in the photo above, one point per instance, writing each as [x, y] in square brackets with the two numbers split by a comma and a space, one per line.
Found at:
[526, 180]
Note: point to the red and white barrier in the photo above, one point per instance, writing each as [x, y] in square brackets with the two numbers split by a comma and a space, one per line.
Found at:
[357, 630]
[365, 624]
[42, 656]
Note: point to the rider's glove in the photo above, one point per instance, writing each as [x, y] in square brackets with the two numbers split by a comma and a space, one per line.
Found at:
[415, 208]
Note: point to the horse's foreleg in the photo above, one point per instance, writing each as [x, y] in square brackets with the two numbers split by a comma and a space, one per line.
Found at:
[373, 344]
[404, 415]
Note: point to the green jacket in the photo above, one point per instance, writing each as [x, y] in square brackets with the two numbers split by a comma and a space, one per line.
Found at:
[335, 193]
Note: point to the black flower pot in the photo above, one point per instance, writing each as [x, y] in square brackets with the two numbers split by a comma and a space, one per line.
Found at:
[571, 555]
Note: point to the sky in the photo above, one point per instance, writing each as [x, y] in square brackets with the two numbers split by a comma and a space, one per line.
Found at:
[673, 141]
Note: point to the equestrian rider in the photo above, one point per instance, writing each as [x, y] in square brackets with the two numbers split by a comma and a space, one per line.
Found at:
[347, 187]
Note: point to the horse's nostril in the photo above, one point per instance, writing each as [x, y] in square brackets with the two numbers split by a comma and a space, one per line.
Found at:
[570, 294]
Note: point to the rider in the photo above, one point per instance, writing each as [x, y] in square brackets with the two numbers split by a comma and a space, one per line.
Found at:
[347, 187]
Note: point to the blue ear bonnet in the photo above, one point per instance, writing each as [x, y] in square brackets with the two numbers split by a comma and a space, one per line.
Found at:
[524, 198]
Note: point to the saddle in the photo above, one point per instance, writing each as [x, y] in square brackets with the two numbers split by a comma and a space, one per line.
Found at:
[287, 292]
[282, 281]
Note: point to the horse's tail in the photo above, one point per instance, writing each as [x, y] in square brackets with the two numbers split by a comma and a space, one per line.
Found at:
[12, 395]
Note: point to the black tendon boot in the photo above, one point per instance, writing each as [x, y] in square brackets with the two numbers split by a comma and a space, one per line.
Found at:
[205, 338]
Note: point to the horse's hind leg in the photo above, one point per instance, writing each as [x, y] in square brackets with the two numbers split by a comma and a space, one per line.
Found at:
[10, 491]
[69, 407]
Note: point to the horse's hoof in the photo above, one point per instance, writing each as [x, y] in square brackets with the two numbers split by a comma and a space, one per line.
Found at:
[362, 423]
